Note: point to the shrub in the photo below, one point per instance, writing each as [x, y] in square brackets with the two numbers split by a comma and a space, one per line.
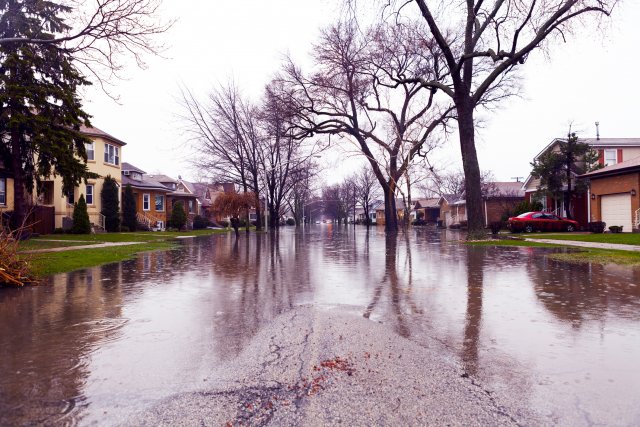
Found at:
[224, 224]
[495, 226]
[81, 224]
[58, 230]
[129, 209]
[110, 204]
[616, 228]
[124, 229]
[200, 222]
[463, 224]
[178, 216]
[597, 227]
[291, 221]
[14, 269]
[419, 222]
[526, 206]
[254, 223]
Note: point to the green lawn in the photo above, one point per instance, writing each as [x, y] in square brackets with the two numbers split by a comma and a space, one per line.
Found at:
[576, 256]
[47, 263]
[619, 238]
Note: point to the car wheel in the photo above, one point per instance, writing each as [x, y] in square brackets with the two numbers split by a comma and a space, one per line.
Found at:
[528, 229]
[570, 228]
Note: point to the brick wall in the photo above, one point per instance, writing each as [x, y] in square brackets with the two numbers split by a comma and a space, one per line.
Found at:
[614, 185]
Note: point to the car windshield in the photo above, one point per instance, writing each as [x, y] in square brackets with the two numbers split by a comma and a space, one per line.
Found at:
[524, 215]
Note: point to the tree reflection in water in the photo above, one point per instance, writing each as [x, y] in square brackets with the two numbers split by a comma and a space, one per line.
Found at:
[473, 318]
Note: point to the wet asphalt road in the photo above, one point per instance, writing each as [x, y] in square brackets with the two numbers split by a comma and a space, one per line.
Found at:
[312, 367]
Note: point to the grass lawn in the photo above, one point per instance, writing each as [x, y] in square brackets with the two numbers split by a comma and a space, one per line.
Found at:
[47, 263]
[619, 238]
[576, 256]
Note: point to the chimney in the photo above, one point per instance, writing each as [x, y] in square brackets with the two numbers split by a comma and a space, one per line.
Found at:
[597, 131]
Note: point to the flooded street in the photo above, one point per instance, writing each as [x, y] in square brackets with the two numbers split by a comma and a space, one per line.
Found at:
[547, 342]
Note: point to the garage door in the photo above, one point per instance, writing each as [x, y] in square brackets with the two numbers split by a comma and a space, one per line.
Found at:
[616, 210]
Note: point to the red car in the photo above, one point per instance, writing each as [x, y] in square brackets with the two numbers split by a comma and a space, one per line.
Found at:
[540, 221]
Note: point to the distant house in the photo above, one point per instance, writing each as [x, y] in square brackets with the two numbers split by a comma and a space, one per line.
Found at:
[428, 208]
[373, 208]
[611, 151]
[451, 211]
[150, 195]
[380, 211]
[499, 200]
[615, 193]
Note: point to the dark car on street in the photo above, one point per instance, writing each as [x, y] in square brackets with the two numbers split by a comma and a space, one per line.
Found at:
[540, 221]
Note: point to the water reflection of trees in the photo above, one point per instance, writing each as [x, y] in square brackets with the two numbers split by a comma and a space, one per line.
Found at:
[579, 293]
[46, 337]
[256, 280]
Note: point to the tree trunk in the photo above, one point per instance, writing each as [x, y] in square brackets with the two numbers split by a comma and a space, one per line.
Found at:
[20, 205]
[473, 188]
[390, 212]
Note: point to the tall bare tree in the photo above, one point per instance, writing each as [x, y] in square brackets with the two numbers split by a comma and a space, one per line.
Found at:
[481, 43]
[360, 89]
[225, 129]
[367, 190]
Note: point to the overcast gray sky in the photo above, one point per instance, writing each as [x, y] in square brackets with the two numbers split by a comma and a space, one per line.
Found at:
[593, 77]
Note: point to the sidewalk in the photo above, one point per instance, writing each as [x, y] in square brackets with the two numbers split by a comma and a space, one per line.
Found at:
[79, 247]
[594, 245]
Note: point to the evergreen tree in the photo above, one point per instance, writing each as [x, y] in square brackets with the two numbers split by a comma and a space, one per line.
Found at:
[110, 204]
[81, 224]
[557, 170]
[178, 216]
[129, 209]
[40, 112]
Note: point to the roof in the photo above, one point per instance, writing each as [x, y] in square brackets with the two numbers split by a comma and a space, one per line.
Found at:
[449, 198]
[505, 189]
[597, 142]
[145, 184]
[429, 203]
[619, 168]
[94, 131]
[129, 167]
[163, 178]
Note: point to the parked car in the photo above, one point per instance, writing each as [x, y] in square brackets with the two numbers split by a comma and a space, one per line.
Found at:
[540, 221]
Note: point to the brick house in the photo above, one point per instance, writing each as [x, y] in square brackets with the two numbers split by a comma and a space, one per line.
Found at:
[611, 151]
[614, 194]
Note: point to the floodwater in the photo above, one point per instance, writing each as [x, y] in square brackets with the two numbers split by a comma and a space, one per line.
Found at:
[97, 345]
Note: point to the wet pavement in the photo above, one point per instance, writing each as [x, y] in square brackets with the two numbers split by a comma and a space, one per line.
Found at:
[325, 326]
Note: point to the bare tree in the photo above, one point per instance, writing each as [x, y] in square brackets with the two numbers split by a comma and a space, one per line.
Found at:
[481, 43]
[360, 90]
[226, 134]
[302, 189]
[99, 34]
[367, 190]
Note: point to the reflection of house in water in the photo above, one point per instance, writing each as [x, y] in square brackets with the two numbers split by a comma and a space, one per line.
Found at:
[76, 314]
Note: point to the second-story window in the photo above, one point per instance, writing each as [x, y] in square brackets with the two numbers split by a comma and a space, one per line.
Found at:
[90, 149]
[111, 154]
[610, 157]
[146, 199]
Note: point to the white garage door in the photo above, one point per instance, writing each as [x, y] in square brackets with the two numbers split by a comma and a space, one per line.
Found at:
[616, 210]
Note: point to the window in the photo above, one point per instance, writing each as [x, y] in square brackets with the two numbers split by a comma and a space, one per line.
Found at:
[190, 206]
[89, 194]
[253, 217]
[70, 197]
[610, 157]
[90, 149]
[111, 154]
[146, 200]
[3, 191]
[159, 203]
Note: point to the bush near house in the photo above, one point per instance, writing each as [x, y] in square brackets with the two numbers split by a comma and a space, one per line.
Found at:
[616, 228]
[200, 222]
[597, 227]
[129, 219]
[178, 216]
[526, 206]
[81, 224]
[110, 204]
[291, 221]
